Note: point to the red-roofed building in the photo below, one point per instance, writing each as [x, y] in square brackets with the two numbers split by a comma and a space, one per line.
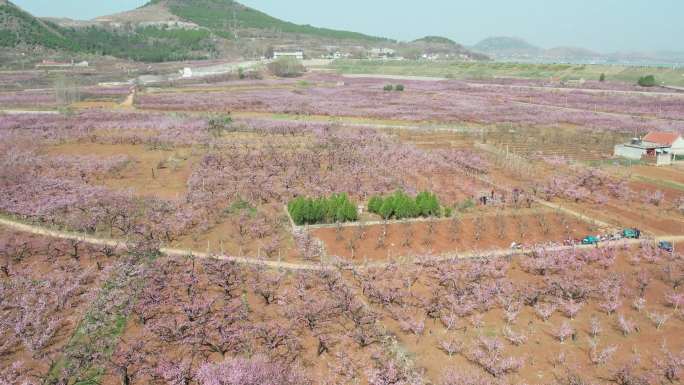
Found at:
[664, 138]
[662, 147]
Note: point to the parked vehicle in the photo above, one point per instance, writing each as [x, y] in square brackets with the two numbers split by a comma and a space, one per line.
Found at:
[591, 240]
[631, 233]
[666, 246]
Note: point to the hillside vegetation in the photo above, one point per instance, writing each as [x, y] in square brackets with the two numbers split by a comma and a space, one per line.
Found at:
[150, 44]
[225, 16]
[18, 27]
[487, 70]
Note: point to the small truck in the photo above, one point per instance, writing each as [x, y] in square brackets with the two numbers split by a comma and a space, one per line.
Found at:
[631, 233]
[591, 240]
[666, 246]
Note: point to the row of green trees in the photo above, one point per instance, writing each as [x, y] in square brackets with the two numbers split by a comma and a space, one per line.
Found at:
[402, 206]
[311, 211]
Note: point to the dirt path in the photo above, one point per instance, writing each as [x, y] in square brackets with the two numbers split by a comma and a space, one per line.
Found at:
[129, 102]
[27, 112]
[38, 230]
[97, 241]
[575, 214]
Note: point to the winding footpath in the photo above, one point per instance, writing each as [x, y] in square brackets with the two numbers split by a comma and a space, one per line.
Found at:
[292, 266]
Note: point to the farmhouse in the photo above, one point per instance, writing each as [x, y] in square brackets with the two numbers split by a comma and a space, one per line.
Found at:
[294, 54]
[661, 147]
[672, 139]
[382, 52]
[54, 64]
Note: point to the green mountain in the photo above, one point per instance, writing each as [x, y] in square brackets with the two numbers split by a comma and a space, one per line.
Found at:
[18, 28]
[174, 30]
[232, 19]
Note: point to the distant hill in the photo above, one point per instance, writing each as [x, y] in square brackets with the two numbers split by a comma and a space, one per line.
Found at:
[18, 27]
[435, 40]
[438, 45]
[170, 30]
[513, 48]
[226, 18]
[573, 53]
[506, 46]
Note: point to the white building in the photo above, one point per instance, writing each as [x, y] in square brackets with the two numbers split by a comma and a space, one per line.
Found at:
[382, 52]
[671, 139]
[299, 55]
[661, 147]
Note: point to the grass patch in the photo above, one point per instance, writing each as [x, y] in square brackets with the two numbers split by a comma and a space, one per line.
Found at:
[84, 358]
[488, 70]
[660, 182]
[623, 162]
[240, 206]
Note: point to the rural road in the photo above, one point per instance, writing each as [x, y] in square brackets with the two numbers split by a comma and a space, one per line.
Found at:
[96, 241]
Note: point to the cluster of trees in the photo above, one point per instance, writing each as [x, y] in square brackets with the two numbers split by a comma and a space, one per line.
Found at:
[398, 87]
[286, 67]
[149, 44]
[647, 81]
[401, 206]
[198, 326]
[462, 294]
[336, 209]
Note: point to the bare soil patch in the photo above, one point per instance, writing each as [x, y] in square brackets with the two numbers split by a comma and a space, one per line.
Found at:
[158, 173]
[496, 231]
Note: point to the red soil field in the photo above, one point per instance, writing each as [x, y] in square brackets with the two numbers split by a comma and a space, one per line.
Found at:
[417, 239]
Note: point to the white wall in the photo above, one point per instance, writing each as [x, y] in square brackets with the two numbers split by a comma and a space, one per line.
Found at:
[678, 146]
[629, 152]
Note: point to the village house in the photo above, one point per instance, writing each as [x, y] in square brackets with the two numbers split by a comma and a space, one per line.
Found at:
[661, 147]
[55, 64]
[382, 52]
[299, 55]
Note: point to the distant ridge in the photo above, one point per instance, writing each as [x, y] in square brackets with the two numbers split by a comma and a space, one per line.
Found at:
[174, 30]
[506, 46]
[439, 45]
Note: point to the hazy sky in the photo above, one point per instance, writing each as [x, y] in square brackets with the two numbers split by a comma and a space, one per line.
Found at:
[604, 25]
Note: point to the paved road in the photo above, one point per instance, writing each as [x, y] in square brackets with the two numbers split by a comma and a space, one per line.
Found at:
[394, 77]
[26, 112]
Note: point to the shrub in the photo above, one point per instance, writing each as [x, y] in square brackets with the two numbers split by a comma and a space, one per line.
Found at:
[647, 81]
[602, 78]
[399, 87]
[388, 87]
[401, 206]
[428, 204]
[374, 205]
[337, 208]
[286, 67]
[465, 205]
[219, 124]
